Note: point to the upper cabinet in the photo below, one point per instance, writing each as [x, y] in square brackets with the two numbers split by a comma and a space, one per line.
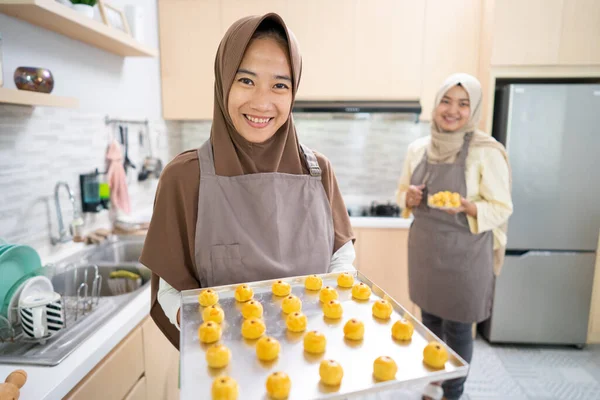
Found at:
[388, 49]
[189, 32]
[546, 32]
[526, 33]
[352, 49]
[450, 45]
[580, 37]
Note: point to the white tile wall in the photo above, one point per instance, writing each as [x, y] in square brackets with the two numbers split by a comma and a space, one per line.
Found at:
[40, 146]
[367, 152]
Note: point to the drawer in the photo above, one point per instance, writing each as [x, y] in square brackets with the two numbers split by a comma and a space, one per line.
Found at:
[116, 374]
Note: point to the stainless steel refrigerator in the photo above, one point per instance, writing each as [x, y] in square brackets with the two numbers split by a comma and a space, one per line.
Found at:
[552, 134]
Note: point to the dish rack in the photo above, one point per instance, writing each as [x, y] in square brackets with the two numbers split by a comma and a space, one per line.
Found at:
[77, 302]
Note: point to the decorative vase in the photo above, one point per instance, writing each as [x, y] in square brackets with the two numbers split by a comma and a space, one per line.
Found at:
[34, 79]
[88, 11]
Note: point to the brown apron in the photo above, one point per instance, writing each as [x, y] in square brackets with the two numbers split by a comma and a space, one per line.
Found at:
[261, 226]
[450, 270]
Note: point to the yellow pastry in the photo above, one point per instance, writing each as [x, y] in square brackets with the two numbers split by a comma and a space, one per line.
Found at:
[213, 313]
[224, 388]
[218, 356]
[333, 309]
[382, 309]
[384, 368]
[209, 332]
[402, 330]
[354, 329]
[252, 309]
[291, 304]
[243, 293]
[361, 291]
[253, 328]
[278, 385]
[314, 342]
[281, 288]
[445, 199]
[267, 348]
[313, 282]
[331, 372]
[435, 355]
[345, 280]
[327, 293]
[208, 297]
[296, 322]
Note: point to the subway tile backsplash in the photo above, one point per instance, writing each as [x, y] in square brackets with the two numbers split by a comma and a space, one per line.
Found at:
[40, 146]
[367, 151]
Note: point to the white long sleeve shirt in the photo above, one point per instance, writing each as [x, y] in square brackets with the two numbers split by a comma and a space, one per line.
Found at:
[169, 298]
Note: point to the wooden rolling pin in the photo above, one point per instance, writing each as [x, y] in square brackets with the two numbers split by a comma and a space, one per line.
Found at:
[11, 388]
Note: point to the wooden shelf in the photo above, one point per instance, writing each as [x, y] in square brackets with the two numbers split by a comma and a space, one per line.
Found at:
[56, 17]
[25, 98]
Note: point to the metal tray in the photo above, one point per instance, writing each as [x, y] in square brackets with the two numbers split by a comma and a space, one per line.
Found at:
[356, 358]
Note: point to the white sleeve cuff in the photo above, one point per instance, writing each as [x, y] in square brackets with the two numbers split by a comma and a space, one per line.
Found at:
[169, 299]
[343, 258]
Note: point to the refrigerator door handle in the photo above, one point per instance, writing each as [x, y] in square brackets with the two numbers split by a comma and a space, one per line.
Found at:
[530, 253]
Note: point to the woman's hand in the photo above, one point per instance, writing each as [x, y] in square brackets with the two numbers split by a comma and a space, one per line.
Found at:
[466, 206]
[414, 195]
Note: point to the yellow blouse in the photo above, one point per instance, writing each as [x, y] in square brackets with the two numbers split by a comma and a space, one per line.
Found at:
[487, 178]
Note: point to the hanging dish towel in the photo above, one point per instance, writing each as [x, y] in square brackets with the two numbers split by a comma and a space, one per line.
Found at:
[119, 195]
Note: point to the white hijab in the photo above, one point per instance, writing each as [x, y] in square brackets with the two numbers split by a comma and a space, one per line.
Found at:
[445, 146]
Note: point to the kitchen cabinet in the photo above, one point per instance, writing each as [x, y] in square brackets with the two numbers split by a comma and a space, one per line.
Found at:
[350, 49]
[382, 256]
[161, 363]
[189, 35]
[450, 45]
[116, 375]
[580, 33]
[546, 32]
[325, 33]
[594, 324]
[527, 32]
[139, 391]
[389, 49]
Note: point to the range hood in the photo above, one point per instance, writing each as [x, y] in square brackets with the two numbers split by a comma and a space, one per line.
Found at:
[357, 106]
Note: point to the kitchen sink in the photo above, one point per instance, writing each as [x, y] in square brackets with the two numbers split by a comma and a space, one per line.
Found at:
[117, 251]
[77, 278]
[67, 283]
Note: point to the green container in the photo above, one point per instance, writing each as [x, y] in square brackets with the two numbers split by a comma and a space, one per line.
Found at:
[104, 191]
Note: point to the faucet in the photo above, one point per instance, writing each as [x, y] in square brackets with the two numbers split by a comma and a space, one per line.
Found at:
[63, 235]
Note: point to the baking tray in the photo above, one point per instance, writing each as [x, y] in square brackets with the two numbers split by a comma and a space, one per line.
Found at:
[356, 358]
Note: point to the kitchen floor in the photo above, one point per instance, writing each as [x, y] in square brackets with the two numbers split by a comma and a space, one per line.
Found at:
[509, 372]
[533, 372]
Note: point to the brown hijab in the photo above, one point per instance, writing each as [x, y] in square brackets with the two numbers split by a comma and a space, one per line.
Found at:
[169, 246]
[234, 155]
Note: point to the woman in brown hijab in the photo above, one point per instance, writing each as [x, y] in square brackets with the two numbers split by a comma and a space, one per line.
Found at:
[252, 203]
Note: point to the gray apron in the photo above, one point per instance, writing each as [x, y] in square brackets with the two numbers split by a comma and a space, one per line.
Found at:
[261, 226]
[450, 270]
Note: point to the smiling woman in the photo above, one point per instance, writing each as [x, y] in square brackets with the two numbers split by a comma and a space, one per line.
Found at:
[260, 98]
[252, 203]
[454, 254]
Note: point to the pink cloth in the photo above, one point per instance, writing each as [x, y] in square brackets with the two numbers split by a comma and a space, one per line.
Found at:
[117, 180]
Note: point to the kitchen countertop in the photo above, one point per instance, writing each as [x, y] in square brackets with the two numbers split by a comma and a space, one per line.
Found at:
[55, 382]
[381, 222]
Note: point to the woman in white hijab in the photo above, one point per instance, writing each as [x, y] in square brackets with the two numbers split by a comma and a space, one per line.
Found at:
[454, 255]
